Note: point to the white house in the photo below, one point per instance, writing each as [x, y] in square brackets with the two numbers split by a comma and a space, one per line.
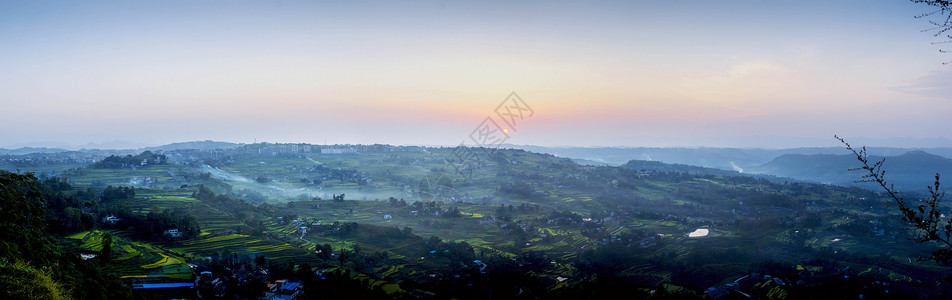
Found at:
[173, 233]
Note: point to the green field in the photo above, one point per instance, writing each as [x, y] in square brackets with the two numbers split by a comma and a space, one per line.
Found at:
[136, 260]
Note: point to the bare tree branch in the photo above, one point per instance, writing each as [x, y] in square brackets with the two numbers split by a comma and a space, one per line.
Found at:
[928, 222]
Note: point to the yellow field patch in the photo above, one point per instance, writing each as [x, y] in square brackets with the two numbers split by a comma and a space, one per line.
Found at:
[166, 260]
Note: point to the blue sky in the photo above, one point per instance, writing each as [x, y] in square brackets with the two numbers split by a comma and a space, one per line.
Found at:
[614, 73]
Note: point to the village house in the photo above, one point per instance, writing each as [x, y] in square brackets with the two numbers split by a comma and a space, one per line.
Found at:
[173, 233]
[111, 220]
[282, 289]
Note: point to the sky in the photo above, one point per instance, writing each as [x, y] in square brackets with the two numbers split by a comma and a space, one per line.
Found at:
[770, 74]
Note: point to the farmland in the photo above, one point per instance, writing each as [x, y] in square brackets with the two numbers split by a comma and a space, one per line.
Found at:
[137, 260]
[420, 223]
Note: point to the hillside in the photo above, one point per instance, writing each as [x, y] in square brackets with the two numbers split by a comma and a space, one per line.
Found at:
[735, 159]
[392, 222]
[196, 145]
[911, 171]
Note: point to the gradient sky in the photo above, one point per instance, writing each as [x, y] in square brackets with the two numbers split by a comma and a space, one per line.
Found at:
[621, 73]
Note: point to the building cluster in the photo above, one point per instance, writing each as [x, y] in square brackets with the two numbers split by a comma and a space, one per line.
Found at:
[40, 159]
[223, 285]
[282, 289]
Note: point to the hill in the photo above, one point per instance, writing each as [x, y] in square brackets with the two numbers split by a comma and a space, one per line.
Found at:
[737, 159]
[28, 150]
[195, 145]
[911, 171]
[676, 168]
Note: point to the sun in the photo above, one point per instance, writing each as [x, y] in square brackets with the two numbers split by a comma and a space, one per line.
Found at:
[506, 131]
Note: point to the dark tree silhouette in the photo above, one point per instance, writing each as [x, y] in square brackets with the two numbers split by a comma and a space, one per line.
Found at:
[940, 19]
[927, 220]
[106, 247]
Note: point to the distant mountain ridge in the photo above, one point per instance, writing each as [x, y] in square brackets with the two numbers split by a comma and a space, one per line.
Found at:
[910, 171]
[198, 145]
[28, 150]
[736, 159]
[677, 168]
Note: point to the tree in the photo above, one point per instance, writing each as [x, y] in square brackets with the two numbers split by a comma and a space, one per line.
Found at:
[106, 247]
[928, 222]
[23, 225]
[72, 220]
[941, 25]
[32, 264]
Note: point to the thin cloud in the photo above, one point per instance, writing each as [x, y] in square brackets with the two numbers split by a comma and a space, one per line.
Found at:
[936, 84]
[740, 83]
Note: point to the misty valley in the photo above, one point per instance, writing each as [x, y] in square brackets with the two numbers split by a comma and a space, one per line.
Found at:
[212, 220]
[264, 150]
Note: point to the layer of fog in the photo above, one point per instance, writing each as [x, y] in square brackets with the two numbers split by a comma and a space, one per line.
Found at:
[280, 191]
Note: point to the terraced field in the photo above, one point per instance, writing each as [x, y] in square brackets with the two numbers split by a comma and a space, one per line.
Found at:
[211, 220]
[145, 260]
[160, 176]
[241, 243]
[137, 260]
[166, 200]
